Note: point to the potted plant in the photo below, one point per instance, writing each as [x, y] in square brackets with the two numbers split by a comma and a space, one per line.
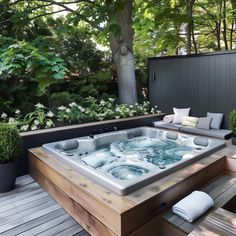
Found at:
[232, 122]
[10, 150]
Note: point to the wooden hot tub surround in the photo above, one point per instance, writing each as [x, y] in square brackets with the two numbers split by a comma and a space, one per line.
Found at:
[104, 213]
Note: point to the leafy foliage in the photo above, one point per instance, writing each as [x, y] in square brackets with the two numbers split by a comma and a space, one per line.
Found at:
[161, 26]
[91, 109]
[101, 110]
[37, 46]
[22, 61]
[10, 143]
[37, 119]
[232, 121]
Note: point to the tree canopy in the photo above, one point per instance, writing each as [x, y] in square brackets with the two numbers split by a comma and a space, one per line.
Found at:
[96, 47]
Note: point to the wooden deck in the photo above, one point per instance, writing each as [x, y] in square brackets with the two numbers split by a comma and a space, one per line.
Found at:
[101, 212]
[29, 210]
[221, 189]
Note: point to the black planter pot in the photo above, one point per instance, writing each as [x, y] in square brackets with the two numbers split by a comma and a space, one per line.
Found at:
[233, 138]
[8, 176]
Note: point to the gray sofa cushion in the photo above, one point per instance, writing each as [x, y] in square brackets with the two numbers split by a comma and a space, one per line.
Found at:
[216, 120]
[204, 123]
[163, 125]
[221, 133]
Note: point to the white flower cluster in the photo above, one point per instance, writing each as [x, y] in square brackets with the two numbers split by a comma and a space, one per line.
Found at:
[95, 110]
[4, 115]
[39, 105]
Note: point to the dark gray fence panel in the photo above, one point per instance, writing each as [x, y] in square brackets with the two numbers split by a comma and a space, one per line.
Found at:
[204, 82]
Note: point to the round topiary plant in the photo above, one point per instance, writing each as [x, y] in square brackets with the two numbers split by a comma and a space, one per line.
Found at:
[10, 143]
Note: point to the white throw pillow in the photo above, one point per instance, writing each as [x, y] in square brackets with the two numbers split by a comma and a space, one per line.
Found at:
[180, 114]
[168, 118]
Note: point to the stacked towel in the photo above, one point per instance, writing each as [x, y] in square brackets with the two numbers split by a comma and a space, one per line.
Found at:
[190, 121]
[168, 118]
[193, 206]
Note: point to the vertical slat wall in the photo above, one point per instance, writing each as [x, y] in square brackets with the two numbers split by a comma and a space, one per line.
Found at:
[204, 82]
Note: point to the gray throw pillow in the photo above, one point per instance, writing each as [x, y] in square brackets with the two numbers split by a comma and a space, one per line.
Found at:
[216, 120]
[204, 123]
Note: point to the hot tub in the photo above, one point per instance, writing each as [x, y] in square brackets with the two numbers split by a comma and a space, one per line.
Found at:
[124, 161]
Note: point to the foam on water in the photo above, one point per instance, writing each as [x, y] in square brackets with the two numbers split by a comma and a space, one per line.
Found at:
[123, 172]
[155, 151]
[99, 158]
[141, 150]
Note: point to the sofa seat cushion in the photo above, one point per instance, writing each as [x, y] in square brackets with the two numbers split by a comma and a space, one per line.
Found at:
[164, 125]
[221, 133]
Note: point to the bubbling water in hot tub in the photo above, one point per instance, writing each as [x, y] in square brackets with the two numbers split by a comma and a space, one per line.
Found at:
[126, 160]
[145, 153]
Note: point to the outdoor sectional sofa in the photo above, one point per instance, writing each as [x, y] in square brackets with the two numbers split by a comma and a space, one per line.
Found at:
[221, 133]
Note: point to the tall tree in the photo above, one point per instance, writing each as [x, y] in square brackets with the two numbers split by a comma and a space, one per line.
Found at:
[113, 17]
[122, 53]
[190, 28]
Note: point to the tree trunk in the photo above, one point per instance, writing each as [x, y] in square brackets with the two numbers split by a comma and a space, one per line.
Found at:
[231, 35]
[193, 39]
[225, 26]
[189, 25]
[218, 32]
[218, 28]
[233, 2]
[122, 52]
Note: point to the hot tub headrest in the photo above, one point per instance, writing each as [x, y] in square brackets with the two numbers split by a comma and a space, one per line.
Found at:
[68, 145]
[201, 141]
[172, 135]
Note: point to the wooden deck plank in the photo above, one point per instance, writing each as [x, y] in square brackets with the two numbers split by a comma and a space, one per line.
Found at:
[59, 228]
[27, 202]
[34, 223]
[16, 209]
[29, 192]
[221, 189]
[82, 233]
[24, 180]
[206, 229]
[29, 210]
[18, 191]
[221, 200]
[50, 224]
[214, 189]
[76, 229]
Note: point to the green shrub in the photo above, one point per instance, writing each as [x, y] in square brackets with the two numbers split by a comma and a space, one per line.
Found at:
[90, 109]
[10, 143]
[232, 121]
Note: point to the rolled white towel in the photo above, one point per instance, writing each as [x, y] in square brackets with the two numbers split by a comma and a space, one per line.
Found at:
[193, 206]
[188, 123]
[191, 119]
[168, 118]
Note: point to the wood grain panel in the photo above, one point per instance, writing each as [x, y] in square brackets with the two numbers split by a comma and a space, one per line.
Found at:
[72, 207]
[89, 203]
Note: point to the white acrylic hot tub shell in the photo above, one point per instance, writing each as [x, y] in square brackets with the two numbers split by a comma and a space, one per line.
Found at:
[124, 187]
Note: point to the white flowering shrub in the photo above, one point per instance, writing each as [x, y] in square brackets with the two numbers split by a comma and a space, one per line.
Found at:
[92, 110]
[41, 117]
[72, 113]
[103, 110]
